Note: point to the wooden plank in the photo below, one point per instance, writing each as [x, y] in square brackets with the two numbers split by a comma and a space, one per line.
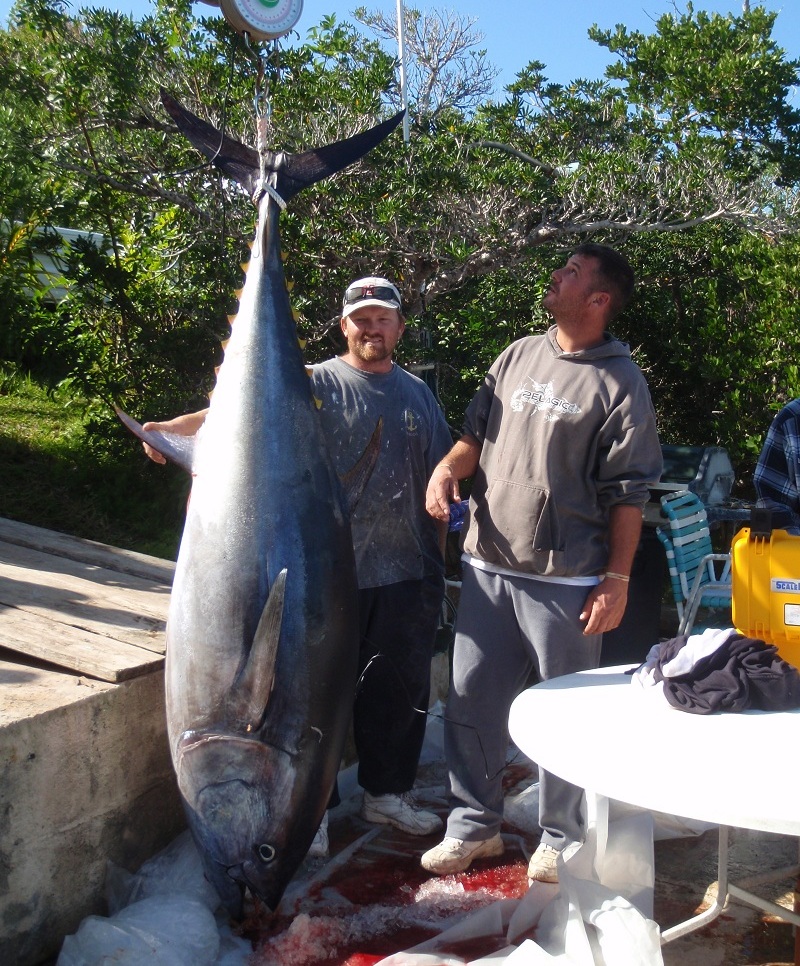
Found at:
[74, 648]
[62, 608]
[81, 605]
[87, 551]
[31, 579]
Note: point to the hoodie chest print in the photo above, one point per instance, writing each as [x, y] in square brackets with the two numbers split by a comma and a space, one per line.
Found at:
[540, 397]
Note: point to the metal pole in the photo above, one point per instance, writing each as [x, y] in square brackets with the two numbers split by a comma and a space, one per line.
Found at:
[401, 52]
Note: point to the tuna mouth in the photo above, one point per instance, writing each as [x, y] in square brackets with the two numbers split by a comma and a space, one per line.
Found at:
[230, 891]
[238, 876]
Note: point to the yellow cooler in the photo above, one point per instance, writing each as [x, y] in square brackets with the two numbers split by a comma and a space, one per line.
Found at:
[765, 577]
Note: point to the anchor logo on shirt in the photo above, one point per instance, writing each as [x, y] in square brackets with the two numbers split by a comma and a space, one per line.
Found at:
[411, 422]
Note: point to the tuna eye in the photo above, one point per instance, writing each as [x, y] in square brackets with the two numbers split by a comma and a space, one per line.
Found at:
[266, 853]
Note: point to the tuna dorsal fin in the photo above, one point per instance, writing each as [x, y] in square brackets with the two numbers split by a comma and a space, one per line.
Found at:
[249, 696]
[294, 171]
[357, 478]
[177, 449]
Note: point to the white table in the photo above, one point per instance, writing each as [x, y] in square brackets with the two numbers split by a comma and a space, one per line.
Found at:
[601, 732]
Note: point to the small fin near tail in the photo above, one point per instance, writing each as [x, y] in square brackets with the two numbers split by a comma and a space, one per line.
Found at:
[249, 696]
[357, 478]
[294, 171]
[174, 447]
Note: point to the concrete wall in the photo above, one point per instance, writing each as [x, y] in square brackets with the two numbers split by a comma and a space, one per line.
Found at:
[85, 778]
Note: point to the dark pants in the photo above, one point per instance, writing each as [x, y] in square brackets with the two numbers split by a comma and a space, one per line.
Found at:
[398, 630]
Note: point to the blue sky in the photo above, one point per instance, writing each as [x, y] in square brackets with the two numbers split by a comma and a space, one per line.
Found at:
[517, 31]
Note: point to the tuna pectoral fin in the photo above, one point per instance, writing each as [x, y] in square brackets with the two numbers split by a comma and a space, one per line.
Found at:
[175, 448]
[357, 478]
[249, 696]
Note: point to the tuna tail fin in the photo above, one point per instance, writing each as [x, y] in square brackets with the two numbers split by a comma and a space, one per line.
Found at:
[174, 447]
[294, 171]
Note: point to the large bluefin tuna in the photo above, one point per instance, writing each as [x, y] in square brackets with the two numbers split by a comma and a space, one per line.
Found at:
[263, 628]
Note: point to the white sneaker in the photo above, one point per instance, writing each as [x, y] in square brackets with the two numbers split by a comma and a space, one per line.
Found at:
[542, 866]
[320, 847]
[400, 812]
[456, 855]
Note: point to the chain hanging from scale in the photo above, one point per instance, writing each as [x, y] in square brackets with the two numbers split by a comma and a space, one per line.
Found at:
[262, 108]
[262, 21]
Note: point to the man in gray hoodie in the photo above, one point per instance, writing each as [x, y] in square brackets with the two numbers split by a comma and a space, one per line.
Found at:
[561, 443]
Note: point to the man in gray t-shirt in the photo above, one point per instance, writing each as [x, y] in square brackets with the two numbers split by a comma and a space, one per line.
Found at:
[397, 543]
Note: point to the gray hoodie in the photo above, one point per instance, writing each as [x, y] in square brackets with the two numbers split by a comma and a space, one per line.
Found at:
[565, 436]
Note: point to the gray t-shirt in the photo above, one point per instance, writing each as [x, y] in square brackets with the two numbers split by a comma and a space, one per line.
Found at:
[394, 537]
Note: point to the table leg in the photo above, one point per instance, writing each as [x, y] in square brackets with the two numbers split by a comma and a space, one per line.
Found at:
[797, 928]
[708, 915]
[771, 907]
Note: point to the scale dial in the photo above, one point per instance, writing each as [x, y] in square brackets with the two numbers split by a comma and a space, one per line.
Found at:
[262, 19]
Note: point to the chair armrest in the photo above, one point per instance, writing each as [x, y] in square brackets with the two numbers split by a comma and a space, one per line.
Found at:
[703, 570]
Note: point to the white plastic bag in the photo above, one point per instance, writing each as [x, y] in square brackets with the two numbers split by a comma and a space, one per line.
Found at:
[176, 870]
[162, 931]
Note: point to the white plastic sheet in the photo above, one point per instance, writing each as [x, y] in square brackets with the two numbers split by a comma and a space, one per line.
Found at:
[600, 914]
[163, 915]
[163, 930]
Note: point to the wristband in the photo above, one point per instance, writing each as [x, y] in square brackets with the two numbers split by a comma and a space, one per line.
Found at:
[622, 577]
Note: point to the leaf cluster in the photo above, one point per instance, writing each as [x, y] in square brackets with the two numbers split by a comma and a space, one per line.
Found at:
[686, 154]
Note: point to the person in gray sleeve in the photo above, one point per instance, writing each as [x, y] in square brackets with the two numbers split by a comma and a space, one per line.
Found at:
[398, 546]
[561, 443]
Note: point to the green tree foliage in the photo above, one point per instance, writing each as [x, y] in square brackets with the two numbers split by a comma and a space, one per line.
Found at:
[710, 75]
[143, 319]
[687, 160]
[716, 323]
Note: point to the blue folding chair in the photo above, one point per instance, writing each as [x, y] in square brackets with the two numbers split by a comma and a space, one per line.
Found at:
[695, 575]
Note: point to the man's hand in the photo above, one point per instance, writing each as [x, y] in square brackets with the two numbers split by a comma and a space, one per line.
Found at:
[460, 462]
[605, 606]
[154, 454]
[442, 491]
[186, 425]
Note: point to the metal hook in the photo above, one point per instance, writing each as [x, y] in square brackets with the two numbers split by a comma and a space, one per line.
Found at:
[261, 104]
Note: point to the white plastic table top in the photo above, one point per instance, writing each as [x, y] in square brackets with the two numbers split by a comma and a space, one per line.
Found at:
[601, 732]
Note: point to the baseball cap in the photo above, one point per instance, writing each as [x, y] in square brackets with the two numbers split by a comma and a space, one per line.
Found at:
[372, 290]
